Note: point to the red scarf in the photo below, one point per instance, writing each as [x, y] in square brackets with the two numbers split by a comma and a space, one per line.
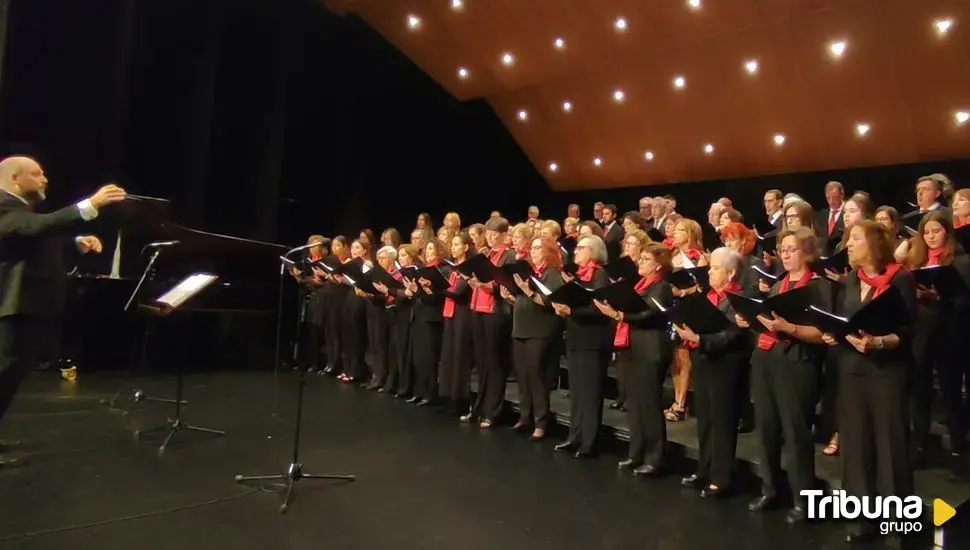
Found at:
[934, 255]
[692, 254]
[483, 301]
[449, 310]
[622, 337]
[585, 272]
[767, 340]
[715, 297]
[669, 243]
[521, 253]
[880, 283]
[539, 269]
[957, 223]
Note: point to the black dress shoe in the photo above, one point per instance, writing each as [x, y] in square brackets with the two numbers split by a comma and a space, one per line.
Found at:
[616, 405]
[796, 514]
[627, 464]
[761, 504]
[8, 444]
[584, 454]
[692, 481]
[647, 470]
[414, 399]
[713, 492]
[424, 402]
[565, 446]
[382, 390]
[11, 462]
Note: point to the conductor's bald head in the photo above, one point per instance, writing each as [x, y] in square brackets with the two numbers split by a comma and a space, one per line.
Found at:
[24, 177]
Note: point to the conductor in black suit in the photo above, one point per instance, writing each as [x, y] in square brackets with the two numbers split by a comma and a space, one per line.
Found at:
[612, 232]
[32, 266]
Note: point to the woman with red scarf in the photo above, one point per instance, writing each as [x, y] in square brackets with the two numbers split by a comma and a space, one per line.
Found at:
[589, 343]
[427, 329]
[457, 348]
[380, 326]
[719, 360]
[644, 338]
[400, 304]
[633, 244]
[353, 320]
[491, 331]
[535, 327]
[873, 373]
[687, 252]
[937, 337]
[333, 333]
[786, 364]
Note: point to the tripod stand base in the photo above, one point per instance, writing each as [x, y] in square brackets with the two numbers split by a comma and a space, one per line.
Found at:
[293, 474]
[173, 427]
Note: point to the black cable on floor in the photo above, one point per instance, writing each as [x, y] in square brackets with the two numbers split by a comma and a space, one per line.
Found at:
[144, 515]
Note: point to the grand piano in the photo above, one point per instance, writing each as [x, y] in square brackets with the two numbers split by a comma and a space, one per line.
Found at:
[230, 325]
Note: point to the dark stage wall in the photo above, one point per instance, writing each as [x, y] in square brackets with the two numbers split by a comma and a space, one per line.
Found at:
[273, 119]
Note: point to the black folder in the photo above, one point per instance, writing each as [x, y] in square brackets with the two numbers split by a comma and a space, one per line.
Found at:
[767, 242]
[479, 267]
[568, 244]
[764, 274]
[685, 278]
[378, 274]
[571, 294]
[622, 268]
[698, 314]
[438, 281]
[911, 221]
[962, 235]
[521, 268]
[881, 316]
[944, 278]
[793, 306]
[570, 268]
[621, 296]
[838, 262]
[408, 272]
[655, 235]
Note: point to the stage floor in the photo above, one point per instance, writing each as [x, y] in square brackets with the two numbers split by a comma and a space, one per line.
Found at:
[423, 480]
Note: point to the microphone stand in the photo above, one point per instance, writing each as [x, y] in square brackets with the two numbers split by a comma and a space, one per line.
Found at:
[294, 472]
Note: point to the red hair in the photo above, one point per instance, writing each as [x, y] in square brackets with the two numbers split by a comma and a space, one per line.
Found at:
[739, 231]
[550, 252]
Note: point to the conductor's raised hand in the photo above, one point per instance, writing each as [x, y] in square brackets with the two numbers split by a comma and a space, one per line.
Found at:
[108, 194]
[88, 244]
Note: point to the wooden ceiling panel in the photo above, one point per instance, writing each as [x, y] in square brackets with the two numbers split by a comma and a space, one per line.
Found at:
[898, 74]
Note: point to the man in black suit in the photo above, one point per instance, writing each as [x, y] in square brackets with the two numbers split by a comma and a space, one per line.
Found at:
[612, 232]
[829, 220]
[32, 267]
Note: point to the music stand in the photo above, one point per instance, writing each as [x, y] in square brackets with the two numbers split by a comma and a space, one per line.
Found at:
[294, 472]
[164, 306]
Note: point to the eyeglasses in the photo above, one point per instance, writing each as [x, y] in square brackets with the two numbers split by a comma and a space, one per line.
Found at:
[788, 251]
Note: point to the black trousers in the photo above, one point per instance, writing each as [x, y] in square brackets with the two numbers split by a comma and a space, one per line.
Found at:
[334, 322]
[400, 379]
[426, 343]
[457, 357]
[647, 361]
[530, 356]
[310, 352]
[717, 406]
[353, 344]
[624, 362]
[554, 355]
[20, 342]
[873, 432]
[954, 374]
[378, 339]
[929, 352]
[828, 423]
[785, 392]
[492, 333]
[587, 375]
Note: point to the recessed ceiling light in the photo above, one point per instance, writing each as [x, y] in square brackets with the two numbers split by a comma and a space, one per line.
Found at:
[943, 25]
[462, 73]
[619, 96]
[679, 82]
[779, 140]
[961, 117]
[709, 149]
[619, 24]
[559, 43]
[751, 66]
[567, 106]
[523, 115]
[862, 129]
[837, 48]
[414, 21]
[597, 162]
[457, 4]
[648, 156]
[508, 59]
[694, 4]
[553, 167]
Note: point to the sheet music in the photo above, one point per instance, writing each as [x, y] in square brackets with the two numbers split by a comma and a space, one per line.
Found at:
[827, 314]
[542, 288]
[116, 260]
[365, 268]
[189, 286]
[660, 307]
[685, 261]
[764, 273]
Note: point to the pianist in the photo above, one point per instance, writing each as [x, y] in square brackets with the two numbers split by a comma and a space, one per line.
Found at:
[31, 267]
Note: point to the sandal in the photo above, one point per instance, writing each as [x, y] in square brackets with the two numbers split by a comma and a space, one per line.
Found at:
[676, 413]
[832, 449]
[485, 424]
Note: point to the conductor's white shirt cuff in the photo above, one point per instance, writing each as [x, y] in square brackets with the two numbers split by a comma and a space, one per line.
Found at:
[88, 211]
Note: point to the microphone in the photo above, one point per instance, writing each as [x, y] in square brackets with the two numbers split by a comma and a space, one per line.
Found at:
[300, 248]
[162, 244]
